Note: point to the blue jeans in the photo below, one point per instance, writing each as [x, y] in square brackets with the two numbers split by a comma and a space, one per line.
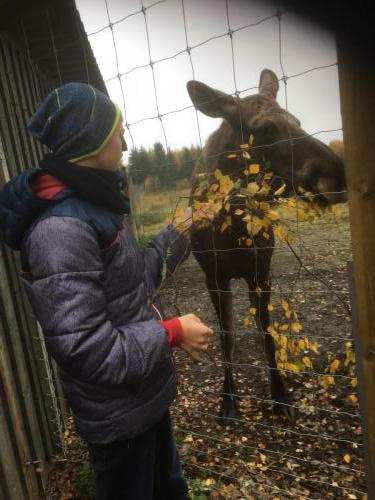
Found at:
[146, 467]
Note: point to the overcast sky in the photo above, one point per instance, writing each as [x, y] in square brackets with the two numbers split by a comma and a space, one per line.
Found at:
[312, 97]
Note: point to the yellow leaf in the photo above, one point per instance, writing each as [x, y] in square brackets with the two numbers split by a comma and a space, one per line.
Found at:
[249, 242]
[252, 187]
[226, 184]
[223, 227]
[354, 382]
[307, 362]
[283, 355]
[334, 366]
[251, 139]
[288, 314]
[266, 235]
[263, 458]
[292, 367]
[301, 344]
[244, 146]
[209, 482]
[354, 398]
[239, 211]
[283, 341]
[254, 169]
[284, 327]
[284, 305]
[296, 327]
[246, 155]
[253, 310]
[273, 215]
[214, 187]
[188, 439]
[280, 190]
[347, 458]
[232, 156]
[218, 174]
[270, 307]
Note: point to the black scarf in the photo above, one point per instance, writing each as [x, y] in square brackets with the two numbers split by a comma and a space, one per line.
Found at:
[98, 186]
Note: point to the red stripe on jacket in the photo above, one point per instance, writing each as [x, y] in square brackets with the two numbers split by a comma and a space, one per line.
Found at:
[46, 186]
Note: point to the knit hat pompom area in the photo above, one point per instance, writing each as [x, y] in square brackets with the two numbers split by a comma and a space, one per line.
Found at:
[75, 121]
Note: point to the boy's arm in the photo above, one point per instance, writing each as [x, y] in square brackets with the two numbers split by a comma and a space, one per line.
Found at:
[67, 295]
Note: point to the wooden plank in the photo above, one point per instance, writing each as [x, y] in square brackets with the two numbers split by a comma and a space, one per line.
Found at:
[26, 415]
[357, 84]
[19, 108]
[11, 106]
[19, 65]
[37, 373]
[12, 485]
[5, 127]
[15, 447]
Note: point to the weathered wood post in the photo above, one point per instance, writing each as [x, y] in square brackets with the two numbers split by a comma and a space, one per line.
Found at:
[357, 91]
[130, 193]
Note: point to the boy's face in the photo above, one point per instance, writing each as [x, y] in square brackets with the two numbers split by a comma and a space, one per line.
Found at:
[110, 156]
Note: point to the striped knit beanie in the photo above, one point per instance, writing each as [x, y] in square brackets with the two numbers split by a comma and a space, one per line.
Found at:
[75, 121]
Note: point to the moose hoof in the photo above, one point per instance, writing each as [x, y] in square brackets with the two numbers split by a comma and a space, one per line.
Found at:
[285, 408]
[228, 413]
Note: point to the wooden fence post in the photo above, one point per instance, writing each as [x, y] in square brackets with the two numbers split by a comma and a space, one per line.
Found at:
[357, 91]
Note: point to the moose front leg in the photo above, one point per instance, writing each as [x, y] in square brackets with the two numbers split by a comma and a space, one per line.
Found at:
[221, 296]
[260, 298]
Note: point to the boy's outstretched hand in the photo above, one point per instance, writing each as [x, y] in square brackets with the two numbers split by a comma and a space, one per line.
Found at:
[196, 335]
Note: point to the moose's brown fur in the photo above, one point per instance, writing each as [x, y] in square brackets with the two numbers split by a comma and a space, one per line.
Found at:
[296, 160]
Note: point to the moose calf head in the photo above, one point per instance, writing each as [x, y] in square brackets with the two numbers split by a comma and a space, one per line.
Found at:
[294, 157]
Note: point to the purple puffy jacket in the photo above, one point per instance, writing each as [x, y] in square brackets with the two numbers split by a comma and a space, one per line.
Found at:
[91, 288]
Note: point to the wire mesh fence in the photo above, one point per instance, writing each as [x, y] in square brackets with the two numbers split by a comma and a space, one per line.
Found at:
[254, 452]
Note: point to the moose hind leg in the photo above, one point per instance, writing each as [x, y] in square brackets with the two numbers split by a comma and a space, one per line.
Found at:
[260, 300]
[221, 297]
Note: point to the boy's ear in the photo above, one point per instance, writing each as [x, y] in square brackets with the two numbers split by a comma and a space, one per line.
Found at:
[212, 102]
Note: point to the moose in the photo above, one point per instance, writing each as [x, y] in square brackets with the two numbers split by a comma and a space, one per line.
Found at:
[295, 159]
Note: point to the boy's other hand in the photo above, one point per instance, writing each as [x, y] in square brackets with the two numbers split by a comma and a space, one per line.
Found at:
[196, 335]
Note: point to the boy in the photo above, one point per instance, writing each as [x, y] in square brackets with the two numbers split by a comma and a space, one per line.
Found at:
[92, 290]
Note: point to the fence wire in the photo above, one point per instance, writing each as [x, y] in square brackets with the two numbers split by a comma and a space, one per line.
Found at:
[208, 448]
[229, 462]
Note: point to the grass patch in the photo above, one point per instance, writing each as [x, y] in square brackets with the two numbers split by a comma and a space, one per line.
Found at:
[153, 210]
[84, 482]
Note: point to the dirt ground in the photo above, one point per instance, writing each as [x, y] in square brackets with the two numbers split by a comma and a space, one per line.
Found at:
[261, 454]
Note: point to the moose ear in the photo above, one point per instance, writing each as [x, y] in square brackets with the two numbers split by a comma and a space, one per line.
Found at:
[268, 83]
[212, 102]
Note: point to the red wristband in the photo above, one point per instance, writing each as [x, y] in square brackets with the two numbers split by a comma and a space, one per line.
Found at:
[174, 330]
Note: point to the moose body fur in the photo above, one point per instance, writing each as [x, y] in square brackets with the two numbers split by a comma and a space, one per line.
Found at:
[295, 160]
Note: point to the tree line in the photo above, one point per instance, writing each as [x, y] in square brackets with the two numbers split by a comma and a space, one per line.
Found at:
[159, 168]
[162, 169]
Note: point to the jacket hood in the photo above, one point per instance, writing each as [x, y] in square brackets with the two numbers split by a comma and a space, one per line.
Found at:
[20, 208]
